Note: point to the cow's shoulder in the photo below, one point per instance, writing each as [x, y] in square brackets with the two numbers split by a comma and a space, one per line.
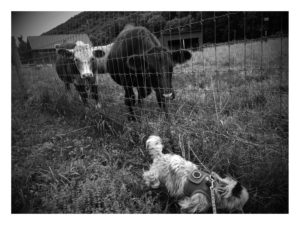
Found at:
[133, 31]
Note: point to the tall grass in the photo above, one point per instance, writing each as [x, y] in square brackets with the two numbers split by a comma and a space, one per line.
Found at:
[232, 118]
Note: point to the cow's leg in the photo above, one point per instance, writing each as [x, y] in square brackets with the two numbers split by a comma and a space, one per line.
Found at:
[130, 102]
[140, 97]
[67, 86]
[143, 92]
[95, 96]
[162, 102]
[68, 91]
[82, 92]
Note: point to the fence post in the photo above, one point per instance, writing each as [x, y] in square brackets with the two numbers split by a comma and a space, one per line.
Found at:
[16, 62]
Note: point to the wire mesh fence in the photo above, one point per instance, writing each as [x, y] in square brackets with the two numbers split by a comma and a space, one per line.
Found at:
[231, 95]
[207, 83]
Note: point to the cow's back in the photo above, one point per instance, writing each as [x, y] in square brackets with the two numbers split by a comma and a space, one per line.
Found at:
[132, 41]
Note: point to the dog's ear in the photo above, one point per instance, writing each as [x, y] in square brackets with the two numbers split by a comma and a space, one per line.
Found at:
[236, 203]
[196, 203]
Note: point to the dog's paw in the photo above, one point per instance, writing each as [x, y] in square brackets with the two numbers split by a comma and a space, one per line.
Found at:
[196, 203]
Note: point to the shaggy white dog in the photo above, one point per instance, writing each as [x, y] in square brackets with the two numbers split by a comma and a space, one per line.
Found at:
[191, 186]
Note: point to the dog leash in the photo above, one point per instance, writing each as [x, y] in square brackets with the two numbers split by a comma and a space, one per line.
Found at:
[212, 194]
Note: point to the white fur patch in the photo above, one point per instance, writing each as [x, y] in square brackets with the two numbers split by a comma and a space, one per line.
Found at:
[82, 51]
[154, 142]
[154, 146]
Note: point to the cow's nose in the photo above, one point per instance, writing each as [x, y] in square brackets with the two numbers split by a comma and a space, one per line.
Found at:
[169, 95]
[85, 75]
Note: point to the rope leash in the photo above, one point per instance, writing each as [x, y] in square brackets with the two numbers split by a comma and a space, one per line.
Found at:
[212, 194]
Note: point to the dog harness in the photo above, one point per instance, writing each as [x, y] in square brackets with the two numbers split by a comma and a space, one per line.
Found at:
[198, 182]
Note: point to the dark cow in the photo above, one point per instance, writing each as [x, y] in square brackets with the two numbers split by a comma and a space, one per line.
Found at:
[76, 63]
[137, 59]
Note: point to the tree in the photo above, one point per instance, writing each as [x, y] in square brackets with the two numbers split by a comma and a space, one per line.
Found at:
[16, 62]
[24, 50]
[156, 23]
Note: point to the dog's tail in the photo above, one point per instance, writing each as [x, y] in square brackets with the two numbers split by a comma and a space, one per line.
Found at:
[154, 146]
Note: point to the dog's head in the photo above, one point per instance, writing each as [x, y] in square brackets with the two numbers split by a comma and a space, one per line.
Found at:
[154, 146]
[153, 141]
[230, 194]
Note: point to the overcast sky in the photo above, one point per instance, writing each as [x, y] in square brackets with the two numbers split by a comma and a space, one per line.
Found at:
[36, 23]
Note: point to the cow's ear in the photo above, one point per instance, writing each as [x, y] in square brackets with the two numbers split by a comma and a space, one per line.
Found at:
[181, 56]
[135, 62]
[65, 52]
[98, 53]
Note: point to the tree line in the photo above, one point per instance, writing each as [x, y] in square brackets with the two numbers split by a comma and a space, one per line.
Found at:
[103, 27]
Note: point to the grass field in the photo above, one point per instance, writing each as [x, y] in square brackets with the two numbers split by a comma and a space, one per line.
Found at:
[231, 116]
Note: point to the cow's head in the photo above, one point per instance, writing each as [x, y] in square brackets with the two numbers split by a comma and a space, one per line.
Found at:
[158, 63]
[84, 57]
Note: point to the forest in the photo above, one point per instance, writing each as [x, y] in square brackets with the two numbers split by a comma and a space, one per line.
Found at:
[103, 27]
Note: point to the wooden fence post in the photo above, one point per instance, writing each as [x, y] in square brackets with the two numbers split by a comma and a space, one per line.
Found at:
[16, 62]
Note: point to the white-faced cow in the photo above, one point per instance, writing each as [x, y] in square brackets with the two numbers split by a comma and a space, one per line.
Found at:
[137, 59]
[77, 63]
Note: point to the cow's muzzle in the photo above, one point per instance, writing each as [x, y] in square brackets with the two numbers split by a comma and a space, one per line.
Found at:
[86, 75]
[168, 96]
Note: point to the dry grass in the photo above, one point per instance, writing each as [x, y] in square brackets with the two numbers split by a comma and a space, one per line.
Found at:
[233, 118]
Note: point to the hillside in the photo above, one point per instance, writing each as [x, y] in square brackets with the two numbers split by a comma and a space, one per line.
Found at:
[103, 27]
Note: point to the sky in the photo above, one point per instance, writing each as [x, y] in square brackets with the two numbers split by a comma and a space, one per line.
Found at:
[33, 23]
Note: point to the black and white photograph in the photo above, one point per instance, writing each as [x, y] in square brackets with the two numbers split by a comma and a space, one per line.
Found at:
[149, 112]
